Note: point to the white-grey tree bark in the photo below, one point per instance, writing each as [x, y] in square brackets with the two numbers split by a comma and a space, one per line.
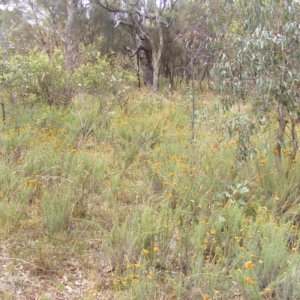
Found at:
[69, 35]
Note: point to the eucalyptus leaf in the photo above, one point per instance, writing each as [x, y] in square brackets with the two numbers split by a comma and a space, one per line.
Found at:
[242, 202]
[243, 190]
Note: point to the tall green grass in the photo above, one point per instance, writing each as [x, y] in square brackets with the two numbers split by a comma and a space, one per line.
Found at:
[170, 218]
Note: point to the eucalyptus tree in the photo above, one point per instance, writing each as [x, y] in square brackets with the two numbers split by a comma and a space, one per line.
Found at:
[34, 23]
[146, 20]
[258, 50]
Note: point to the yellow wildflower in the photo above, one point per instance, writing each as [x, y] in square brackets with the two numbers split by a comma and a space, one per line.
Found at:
[171, 196]
[155, 249]
[267, 291]
[145, 251]
[249, 280]
[249, 265]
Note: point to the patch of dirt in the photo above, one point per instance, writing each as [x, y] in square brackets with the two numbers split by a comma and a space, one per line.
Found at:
[24, 280]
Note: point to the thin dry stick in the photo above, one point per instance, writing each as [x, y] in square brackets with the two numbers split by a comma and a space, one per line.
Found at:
[23, 261]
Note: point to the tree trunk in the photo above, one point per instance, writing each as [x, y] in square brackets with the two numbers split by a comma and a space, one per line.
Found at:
[69, 36]
[280, 136]
[3, 111]
[156, 53]
[146, 66]
[145, 57]
[145, 25]
[155, 75]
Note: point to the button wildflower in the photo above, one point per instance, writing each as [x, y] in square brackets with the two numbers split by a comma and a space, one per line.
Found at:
[267, 291]
[155, 249]
[249, 265]
[171, 196]
[249, 280]
[145, 251]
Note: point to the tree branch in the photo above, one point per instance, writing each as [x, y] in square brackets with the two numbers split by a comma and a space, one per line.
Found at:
[123, 23]
[112, 8]
[136, 51]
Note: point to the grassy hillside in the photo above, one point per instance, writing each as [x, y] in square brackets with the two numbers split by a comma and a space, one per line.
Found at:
[111, 200]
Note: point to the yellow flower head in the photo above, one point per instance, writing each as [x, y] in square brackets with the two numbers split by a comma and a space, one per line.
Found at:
[155, 249]
[249, 265]
[145, 251]
[267, 291]
[249, 280]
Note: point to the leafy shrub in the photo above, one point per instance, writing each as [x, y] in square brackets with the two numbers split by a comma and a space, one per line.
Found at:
[101, 73]
[37, 77]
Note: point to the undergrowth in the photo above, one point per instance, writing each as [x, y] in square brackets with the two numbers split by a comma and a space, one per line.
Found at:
[122, 190]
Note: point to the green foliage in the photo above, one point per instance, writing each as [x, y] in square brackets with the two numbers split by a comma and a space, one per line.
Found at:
[101, 73]
[261, 54]
[93, 74]
[35, 77]
[243, 127]
[161, 215]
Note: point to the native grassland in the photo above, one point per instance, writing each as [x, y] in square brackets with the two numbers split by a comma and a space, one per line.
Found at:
[108, 200]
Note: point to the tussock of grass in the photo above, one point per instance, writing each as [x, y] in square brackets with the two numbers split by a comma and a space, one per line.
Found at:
[121, 197]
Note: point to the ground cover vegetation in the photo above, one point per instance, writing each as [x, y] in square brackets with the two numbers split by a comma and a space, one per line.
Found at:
[113, 191]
